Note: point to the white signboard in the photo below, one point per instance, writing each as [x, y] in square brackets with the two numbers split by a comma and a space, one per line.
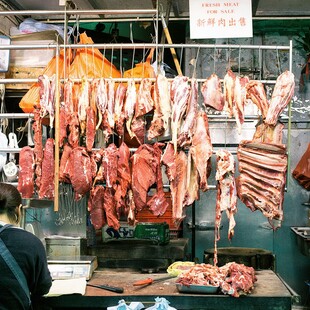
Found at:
[220, 19]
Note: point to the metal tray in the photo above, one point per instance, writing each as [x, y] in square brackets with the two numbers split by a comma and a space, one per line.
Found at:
[200, 289]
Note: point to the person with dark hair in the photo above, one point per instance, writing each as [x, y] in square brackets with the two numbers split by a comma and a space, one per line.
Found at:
[24, 273]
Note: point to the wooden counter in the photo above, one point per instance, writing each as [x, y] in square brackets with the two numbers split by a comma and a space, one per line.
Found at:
[269, 293]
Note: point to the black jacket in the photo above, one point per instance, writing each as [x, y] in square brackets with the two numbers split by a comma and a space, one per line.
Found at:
[30, 255]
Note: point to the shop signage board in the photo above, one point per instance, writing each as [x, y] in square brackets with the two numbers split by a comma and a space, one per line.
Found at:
[220, 19]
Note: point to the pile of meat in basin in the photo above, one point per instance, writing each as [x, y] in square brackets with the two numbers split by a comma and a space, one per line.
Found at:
[117, 179]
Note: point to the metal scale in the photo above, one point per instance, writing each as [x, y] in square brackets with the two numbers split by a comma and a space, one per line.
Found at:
[70, 267]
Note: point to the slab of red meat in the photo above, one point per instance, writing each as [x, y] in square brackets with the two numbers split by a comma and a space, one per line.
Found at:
[109, 164]
[119, 113]
[81, 171]
[212, 93]
[189, 124]
[201, 149]
[38, 146]
[131, 218]
[255, 91]
[192, 192]
[138, 129]
[144, 169]
[226, 191]
[162, 108]
[145, 103]
[176, 164]
[101, 100]
[95, 206]
[26, 172]
[109, 206]
[47, 188]
[90, 128]
[64, 167]
[123, 176]
[281, 96]
[74, 130]
[262, 178]
[158, 204]
[130, 103]
[62, 125]
[180, 91]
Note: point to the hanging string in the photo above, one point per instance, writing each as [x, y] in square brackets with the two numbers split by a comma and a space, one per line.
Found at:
[121, 60]
[112, 52]
[93, 52]
[278, 62]
[214, 58]
[103, 61]
[143, 61]
[260, 62]
[196, 60]
[181, 56]
[239, 60]
[133, 57]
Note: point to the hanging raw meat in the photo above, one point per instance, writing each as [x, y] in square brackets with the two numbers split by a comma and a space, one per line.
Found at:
[91, 116]
[26, 172]
[109, 165]
[229, 91]
[38, 146]
[144, 169]
[130, 103]
[64, 167]
[82, 171]
[268, 133]
[302, 170]
[212, 93]
[201, 149]
[226, 191]
[145, 103]
[123, 175]
[158, 204]
[176, 168]
[119, 113]
[255, 91]
[262, 178]
[102, 100]
[131, 218]
[46, 189]
[162, 108]
[180, 91]
[189, 124]
[192, 191]
[109, 205]
[83, 104]
[95, 206]
[239, 100]
[281, 96]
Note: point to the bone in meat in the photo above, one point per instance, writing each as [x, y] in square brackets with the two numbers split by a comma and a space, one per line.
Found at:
[239, 100]
[83, 104]
[189, 124]
[255, 91]
[179, 95]
[130, 103]
[119, 113]
[145, 101]
[201, 149]
[229, 86]
[162, 108]
[268, 133]
[46, 190]
[226, 192]
[212, 93]
[281, 96]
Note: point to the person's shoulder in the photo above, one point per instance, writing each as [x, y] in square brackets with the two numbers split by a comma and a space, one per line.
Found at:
[30, 237]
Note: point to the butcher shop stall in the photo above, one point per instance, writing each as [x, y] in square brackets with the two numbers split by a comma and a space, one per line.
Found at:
[161, 149]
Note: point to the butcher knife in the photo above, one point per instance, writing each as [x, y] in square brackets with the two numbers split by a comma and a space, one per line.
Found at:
[149, 281]
[108, 288]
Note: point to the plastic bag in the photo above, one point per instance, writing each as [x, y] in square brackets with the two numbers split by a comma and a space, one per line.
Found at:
[302, 171]
[122, 306]
[161, 304]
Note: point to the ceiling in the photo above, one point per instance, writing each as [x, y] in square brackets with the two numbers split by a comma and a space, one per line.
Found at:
[178, 8]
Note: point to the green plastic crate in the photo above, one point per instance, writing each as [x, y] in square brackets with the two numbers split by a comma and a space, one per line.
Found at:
[155, 231]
